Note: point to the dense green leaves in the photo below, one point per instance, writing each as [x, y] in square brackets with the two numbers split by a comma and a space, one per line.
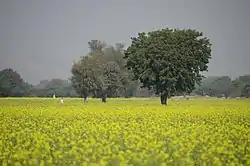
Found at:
[11, 84]
[102, 72]
[169, 61]
[83, 77]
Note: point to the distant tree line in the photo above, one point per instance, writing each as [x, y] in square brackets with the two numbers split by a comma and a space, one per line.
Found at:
[224, 86]
[165, 63]
[12, 85]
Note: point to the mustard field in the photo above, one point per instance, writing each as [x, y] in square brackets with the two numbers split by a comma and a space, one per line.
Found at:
[124, 132]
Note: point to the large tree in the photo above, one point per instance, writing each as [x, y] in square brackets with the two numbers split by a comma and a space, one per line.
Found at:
[102, 73]
[11, 84]
[85, 75]
[169, 61]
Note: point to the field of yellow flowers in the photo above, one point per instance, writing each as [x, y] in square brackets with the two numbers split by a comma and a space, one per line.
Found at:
[124, 132]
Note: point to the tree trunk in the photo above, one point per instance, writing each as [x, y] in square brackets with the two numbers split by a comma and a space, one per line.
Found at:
[164, 99]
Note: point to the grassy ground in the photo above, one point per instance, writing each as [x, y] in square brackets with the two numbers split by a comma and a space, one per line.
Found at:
[124, 131]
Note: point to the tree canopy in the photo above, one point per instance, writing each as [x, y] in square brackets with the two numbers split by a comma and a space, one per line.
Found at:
[11, 84]
[169, 61]
[102, 72]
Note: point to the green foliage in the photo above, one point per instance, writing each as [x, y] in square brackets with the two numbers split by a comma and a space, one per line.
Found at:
[246, 91]
[111, 78]
[83, 76]
[47, 88]
[169, 61]
[245, 79]
[102, 72]
[215, 86]
[224, 86]
[11, 84]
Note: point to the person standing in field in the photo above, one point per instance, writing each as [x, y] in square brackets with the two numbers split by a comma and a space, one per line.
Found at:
[61, 101]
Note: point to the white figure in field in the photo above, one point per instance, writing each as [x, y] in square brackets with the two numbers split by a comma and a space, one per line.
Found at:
[61, 101]
[54, 96]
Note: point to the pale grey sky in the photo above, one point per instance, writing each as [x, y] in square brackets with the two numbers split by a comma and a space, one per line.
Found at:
[41, 38]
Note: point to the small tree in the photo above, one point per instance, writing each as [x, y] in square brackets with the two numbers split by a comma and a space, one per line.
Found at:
[168, 61]
[83, 77]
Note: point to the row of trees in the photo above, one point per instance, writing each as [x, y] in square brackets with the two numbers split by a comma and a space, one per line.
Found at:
[225, 87]
[165, 63]
[11, 84]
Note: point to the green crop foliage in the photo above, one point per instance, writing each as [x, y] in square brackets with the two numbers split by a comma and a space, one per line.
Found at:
[124, 132]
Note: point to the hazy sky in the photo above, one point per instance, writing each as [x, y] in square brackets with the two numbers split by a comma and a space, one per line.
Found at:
[41, 38]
